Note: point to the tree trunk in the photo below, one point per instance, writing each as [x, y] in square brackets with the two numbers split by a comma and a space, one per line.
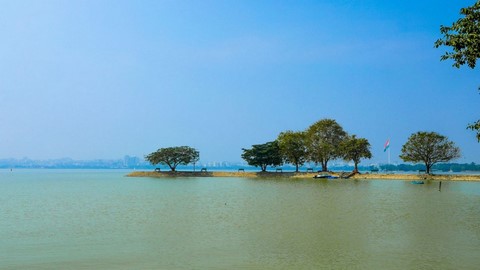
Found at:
[264, 168]
[355, 170]
[427, 167]
[324, 166]
[296, 167]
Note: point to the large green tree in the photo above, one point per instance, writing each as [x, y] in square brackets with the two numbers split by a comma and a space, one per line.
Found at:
[463, 36]
[323, 140]
[355, 149]
[173, 156]
[263, 155]
[429, 148]
[292, 147]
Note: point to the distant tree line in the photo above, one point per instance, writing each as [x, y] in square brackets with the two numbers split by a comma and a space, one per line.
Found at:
[444, 167]
[323, 141]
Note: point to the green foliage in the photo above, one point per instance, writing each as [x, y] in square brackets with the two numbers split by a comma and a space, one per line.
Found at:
[463, 37]
[292, 147]
[323, 140]
[173, 156]
[475, 126]
[429, 148]
[263, 155]
[355, 149]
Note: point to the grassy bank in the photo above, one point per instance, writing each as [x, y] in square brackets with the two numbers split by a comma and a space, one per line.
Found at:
[410, 177]
[218, 174]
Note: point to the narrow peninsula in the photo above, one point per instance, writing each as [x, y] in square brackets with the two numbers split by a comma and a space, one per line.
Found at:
[304, 175]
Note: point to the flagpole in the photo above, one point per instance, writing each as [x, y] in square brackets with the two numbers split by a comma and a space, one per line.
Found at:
[388, 155]
[387, 148]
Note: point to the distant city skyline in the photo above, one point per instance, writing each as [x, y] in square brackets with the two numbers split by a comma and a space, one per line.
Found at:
[98, 79]
[136, 163]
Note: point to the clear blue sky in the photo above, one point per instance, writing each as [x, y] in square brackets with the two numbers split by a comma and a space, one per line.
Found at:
[101, 79]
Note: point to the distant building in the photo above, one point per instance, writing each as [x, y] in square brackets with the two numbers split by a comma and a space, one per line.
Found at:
[131, 162]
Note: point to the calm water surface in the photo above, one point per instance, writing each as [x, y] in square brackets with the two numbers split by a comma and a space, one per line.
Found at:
[79, 219]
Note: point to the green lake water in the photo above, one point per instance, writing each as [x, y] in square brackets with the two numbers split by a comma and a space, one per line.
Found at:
[81, 219]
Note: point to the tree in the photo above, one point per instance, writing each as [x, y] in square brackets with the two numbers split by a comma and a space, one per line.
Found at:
[475, 126]
[195, 159]
[429, 148]
[323, 140]
[262, 155]
[292, 147]
[355, 149]
[464, 39]
[173, 156]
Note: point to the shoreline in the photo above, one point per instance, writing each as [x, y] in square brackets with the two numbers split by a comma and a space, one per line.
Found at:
[305, 175]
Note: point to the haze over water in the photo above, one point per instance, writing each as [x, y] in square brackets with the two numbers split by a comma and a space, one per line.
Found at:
[103, 220]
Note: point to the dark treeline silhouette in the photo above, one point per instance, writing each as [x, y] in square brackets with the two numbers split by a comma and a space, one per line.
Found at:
[443, 167]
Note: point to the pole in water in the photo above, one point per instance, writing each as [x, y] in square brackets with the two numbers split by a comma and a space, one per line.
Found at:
[440, 186]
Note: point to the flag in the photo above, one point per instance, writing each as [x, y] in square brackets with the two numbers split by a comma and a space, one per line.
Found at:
[386, 146]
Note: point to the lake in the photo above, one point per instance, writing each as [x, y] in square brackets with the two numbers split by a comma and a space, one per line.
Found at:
[94, 219]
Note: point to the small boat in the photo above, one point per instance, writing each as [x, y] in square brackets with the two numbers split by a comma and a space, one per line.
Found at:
[325, 176]
[418, 182]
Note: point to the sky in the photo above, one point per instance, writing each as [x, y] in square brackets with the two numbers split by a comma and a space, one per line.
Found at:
[102, 79]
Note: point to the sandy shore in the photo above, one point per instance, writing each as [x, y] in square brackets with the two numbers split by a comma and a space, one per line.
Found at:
[376, 176]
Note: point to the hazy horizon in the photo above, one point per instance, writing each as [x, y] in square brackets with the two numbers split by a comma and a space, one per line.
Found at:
[101, 79]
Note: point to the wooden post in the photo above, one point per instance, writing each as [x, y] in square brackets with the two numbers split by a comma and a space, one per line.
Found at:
[440, 186]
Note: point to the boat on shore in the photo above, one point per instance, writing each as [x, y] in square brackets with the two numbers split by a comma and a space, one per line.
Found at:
[326, 176]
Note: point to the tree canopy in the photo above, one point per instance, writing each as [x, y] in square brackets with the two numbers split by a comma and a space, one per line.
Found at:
[292, 147]
[173, 156]
[263, 155]
[475, 126]
[355, 149]
[429, 148]
[463, 37]
[323, 140]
